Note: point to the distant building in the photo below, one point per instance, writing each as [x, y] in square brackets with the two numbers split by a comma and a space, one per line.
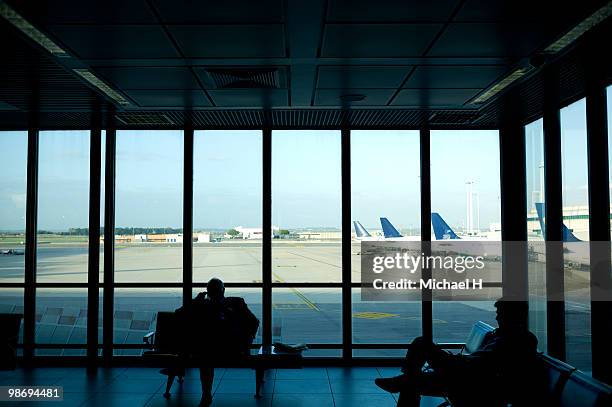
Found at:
[201, 237]
[254, 233]
[331, 235]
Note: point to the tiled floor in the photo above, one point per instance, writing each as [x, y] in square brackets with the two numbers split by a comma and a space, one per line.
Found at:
[317, 387]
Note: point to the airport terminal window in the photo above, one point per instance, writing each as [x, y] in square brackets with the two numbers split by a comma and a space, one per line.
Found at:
[307, 315]
[135, 314]
[61, 318]
[63, 206]
[385, 183]
[465, 192]
[534, 148]
[306, 206]
[149, 206]
[227, 199]
[575, 218]
[13, 155]
[307, 239]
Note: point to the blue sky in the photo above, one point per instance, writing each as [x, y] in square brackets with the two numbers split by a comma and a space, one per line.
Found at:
[306, 180]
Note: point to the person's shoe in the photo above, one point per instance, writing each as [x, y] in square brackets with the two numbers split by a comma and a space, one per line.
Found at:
[392, 384]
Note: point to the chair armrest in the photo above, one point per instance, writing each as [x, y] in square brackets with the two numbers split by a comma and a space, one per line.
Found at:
[148, 339]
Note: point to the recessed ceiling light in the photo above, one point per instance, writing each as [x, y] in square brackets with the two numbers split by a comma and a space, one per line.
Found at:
[576, 32]
[28, 29]
[501, 85]
[100, 85]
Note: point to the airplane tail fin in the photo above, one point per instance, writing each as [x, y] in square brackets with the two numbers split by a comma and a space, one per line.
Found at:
[540, 210]
[441, 229]
[568, 236]
[388, 229]
[360, 231]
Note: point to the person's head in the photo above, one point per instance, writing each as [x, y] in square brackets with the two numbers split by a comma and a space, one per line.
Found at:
[215, 289]
[512, 314]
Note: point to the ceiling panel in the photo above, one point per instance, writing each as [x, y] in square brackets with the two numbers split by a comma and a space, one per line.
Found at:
[377, 40]
[347, 77]
[215, 11]
[126, 41]
[85, 12]
[143, 77]
[455, 76]
[543, 11]
[434, 97]
[373, 97]
[249, 97]
[390, 10]
[230, 41]
[490, 40]
[169, 98]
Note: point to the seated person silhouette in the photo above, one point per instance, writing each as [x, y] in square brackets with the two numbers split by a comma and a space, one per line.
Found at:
[217, 329]
[491, 376]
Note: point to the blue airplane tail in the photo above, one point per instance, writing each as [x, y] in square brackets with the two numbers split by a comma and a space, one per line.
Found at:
[360, 231]
[441, 229]
[388, 229]
[568, 236]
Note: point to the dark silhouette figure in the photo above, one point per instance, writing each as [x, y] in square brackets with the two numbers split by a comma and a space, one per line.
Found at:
[491, 376]
[217, 330]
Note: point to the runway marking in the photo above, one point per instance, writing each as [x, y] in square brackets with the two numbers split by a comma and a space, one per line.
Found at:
[374, 315]
[297, 292]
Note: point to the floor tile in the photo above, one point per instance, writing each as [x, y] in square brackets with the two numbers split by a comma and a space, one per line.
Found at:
[70, 400]
[303, 400]
[83, 383]
[308, 373]
[246, 386]
[355, 386]
[352, 373]
[240, 400]
[364, 400]
[134, 386]
[314, 386]
[175, 400]
[118, 400]
[239, 374]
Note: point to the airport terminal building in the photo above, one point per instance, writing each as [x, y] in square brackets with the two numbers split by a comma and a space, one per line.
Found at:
[281, 146]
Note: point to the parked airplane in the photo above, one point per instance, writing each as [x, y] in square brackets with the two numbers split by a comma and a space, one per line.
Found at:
[391, 233]
[577, 252]
[568, 236]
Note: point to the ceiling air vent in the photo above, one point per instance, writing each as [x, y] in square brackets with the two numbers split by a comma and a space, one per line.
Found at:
[247, 78]
[144, 119]
[453, 117]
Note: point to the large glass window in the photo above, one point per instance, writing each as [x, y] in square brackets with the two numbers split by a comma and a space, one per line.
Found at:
[13, 155]
[227, 211]
[149, 206]
[465, 192]
[306, 206]
[385, 183]
[63, 206]
[576, 224]
[534, 148]
[307, 238]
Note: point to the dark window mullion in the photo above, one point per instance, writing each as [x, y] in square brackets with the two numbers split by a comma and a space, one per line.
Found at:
[426, 294]
[29, 299]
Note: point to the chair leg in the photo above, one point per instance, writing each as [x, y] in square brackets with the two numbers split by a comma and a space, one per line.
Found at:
[181, 379]
[169, 385]
[259, 379]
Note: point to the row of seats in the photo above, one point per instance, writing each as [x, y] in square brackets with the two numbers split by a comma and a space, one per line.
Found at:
[563, 385]
[566, 386]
